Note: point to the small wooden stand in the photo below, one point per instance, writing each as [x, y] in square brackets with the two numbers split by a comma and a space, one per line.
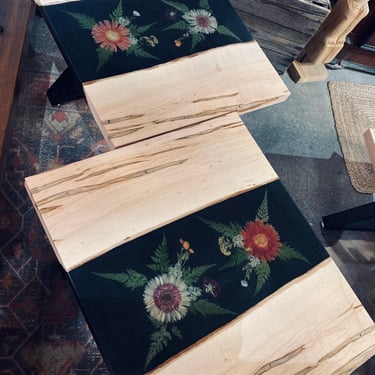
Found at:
[328, 41]
[307, 72]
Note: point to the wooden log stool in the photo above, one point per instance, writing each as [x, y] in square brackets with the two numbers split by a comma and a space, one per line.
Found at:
[186, 253]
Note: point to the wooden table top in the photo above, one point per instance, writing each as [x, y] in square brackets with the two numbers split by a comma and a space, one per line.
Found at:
[235, 78]
[96, 204]
[187, 150]
[106, 217]
[173, 76]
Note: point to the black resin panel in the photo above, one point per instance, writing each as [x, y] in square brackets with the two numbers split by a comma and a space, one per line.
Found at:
[105, 38]
[148, 299]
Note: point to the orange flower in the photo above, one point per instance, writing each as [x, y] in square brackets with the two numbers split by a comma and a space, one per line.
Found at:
[261, 240]
[111, 35]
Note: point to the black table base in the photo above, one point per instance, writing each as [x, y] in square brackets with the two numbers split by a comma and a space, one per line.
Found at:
[357, 218]
[65, 89]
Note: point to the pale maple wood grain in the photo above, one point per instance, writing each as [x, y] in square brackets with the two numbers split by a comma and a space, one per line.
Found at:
[52, 2]
[91, 206]
[141, 104]
[369, 136]
[314, 325]
[193, 152]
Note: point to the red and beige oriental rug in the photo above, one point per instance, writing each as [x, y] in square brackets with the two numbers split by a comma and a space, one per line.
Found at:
[42, 330]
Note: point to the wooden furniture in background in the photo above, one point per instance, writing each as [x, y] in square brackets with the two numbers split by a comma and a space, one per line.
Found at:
[328, 41]
[359, 49]
[282, 27]
[14, 19]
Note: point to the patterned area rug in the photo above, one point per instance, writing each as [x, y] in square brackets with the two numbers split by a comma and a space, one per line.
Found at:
[42, 329]
[354, 112]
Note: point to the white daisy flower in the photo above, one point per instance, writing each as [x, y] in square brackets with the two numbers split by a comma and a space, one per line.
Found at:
[200, 21]
[166, 298]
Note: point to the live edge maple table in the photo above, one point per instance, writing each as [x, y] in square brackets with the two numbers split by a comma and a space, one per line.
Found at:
[100, 39]
[186, 253]
[187, 256]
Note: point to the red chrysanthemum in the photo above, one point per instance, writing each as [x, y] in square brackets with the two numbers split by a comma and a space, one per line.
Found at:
[111, 35]
[261, 240]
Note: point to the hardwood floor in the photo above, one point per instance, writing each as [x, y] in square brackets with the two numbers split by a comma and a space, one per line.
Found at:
[14, 19]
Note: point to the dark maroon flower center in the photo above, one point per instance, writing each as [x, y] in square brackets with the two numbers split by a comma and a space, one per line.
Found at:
[167, 297]
[202, 21]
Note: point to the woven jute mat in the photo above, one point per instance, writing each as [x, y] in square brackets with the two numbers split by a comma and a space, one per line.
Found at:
[353, 108]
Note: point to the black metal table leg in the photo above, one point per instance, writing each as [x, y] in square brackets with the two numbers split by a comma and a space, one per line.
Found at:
[357, 218]
[65, 89]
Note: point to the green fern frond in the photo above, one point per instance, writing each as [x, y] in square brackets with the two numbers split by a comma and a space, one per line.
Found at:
[129, 279]
[159, 340]
[176, 332]
[191, 275]
[181, 7]
[288, 253]
[160, 258]
[205, 5]
[142, 29]
[117, 13]
[85, 21]
[237, 258]
[179, 25]
[140, 52]
[223, 30]
[227, 230]
[196, 39]
[103, 56]
[262, 213]
[206, 308]
[263, 273]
